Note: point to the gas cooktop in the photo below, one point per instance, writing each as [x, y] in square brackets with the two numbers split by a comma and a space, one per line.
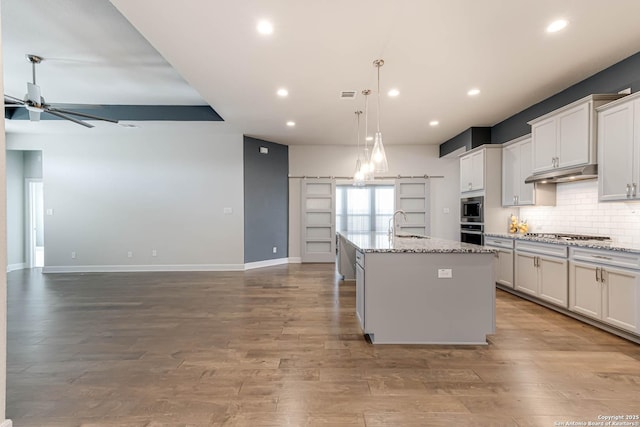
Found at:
[569, 237]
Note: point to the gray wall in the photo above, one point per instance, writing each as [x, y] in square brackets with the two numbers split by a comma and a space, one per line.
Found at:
[266, 200]
[15, 209]
[162, 186]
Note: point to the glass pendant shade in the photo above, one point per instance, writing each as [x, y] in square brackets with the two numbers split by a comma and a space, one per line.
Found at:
[378, 155]
[358, 175]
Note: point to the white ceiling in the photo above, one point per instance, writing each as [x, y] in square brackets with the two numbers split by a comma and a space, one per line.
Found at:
[434, 52]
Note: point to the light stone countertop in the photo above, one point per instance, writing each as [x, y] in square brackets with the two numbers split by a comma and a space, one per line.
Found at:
[379, 243]
[591, 244]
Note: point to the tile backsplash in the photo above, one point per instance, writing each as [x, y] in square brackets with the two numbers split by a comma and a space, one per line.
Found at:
[578, 211]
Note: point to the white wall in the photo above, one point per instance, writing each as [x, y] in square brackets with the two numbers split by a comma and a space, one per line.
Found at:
[15, 210]
[340, 160]
[162, 186]
[578, 211]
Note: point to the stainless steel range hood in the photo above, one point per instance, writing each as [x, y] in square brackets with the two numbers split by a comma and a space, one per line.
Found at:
[565, 175]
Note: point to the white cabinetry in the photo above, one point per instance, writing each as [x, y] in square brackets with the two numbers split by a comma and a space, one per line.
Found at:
[517, 165]
[603, 287]
[360, 287]
[472, 171]
[541, 271]
[504, 259]
[619, 150]
[567, 137]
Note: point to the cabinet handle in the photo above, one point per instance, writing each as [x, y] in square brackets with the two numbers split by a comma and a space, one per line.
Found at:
[628, 191]
[602, 257]
[602, 271]
[470, 186]
[633, 189]
[598, 274]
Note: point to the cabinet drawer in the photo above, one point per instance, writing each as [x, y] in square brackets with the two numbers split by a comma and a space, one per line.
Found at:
[615, 258]
[498, 242]
[542, 248]
[360, 258]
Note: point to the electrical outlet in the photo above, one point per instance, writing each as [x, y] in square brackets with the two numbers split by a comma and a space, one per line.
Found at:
[129, 254]
[154, 252]
[445, 273]
[73, 255]
[275, 249]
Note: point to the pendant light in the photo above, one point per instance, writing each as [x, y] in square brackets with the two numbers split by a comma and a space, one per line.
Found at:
[358, 175]
[367, 165]
[378, 155]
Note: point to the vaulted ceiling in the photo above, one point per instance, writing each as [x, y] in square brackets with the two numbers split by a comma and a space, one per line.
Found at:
[203, 51]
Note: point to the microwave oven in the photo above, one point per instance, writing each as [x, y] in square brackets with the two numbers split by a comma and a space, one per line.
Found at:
[471, 209]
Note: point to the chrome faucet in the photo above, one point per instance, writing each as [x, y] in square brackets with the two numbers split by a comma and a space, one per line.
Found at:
[392, 231]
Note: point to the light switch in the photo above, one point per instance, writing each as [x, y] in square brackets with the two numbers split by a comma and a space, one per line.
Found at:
[49, 211]
[445, 273]
[228, 211]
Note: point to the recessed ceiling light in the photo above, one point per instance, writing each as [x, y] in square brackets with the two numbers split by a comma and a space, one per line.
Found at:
[556, 26]
[434, 123]
[473, 92]
[369, 138]
[291, 123]
[393, 92]
[282, 92]
[265, 27]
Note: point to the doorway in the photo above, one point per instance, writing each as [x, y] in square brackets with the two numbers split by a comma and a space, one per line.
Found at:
[35, 222]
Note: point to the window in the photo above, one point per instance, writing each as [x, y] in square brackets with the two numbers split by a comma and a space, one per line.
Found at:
[364, 209]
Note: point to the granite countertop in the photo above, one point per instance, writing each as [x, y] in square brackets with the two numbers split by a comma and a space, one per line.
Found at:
[591, 244]
[379, 243]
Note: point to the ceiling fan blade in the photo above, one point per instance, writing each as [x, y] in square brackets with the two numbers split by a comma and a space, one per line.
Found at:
[33, 94]
[10, 101]
[34, 116]
[64, 116]
[75, 113]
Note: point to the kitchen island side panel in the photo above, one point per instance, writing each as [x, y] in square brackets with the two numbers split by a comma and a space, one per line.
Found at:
[406, 302]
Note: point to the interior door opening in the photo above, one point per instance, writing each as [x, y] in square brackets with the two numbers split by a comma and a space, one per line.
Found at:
[35, 223]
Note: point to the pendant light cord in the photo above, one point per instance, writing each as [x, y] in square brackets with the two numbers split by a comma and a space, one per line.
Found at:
[378, 65]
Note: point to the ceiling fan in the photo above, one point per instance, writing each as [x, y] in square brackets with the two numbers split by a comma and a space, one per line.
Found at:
[35, 103]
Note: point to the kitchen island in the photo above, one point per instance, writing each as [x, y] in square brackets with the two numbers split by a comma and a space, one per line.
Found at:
[413, 290]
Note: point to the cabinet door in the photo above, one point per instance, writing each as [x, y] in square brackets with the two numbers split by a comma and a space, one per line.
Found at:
[504, 267]
[585, 292]
[526, 274]
[360, 295]
[477, 170]
[574, 136]
[510, 174]
[544, 144]
[615, 143]
[552, 276]
[621, 298]
[526, 191]
[466, 166]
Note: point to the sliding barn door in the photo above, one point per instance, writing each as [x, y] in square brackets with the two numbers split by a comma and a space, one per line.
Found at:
[412, 196]
[318, 220]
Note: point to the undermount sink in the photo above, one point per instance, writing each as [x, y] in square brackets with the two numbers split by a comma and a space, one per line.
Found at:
[412, 236]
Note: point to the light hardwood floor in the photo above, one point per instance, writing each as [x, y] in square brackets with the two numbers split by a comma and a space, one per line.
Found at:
[281, 346]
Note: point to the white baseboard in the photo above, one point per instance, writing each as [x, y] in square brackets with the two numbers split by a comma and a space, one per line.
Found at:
[140, 268]
[266, 263]
[6, 423]
[14, 267]
[295, 260]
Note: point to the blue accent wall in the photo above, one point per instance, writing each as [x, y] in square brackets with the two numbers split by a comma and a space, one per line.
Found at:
[266, 200]
[622, 75]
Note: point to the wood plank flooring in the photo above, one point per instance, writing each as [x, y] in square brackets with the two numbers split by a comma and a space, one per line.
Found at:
[280, 346]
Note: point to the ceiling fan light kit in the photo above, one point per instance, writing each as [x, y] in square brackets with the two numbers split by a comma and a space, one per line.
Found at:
[35, 103]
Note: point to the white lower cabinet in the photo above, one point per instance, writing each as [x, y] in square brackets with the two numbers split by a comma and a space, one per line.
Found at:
[360, 288]
[541, 271]
[606, 293]
[504, 259]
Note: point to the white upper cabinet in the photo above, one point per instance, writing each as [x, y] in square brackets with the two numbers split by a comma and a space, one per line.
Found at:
[567, 137]
[619, 150]
[517, 165]
[472, 171]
